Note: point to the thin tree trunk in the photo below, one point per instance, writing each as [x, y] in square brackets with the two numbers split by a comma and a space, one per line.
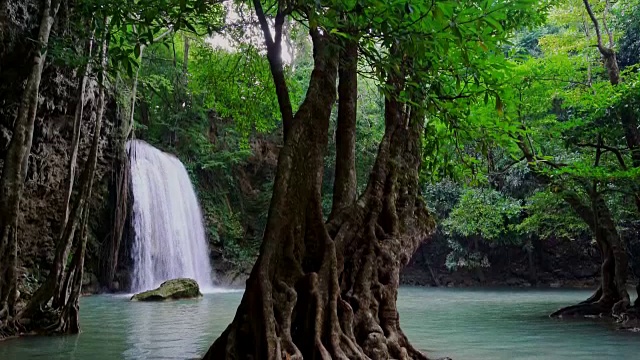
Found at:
[75, 142]
[185, 61]
[532, 268]
[479, 272]
[15, 164]
[274, 54]
[69, 322]
[434, 277]
[134, 87]
[110, 252]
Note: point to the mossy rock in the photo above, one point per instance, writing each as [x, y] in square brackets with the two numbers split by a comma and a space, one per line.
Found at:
[171, 289]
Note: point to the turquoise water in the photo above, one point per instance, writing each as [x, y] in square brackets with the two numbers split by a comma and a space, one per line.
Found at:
[461, 323]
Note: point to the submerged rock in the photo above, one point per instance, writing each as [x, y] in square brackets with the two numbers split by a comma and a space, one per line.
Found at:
[171, 289]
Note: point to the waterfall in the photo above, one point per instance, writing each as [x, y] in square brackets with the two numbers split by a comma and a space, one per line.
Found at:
[170, 239]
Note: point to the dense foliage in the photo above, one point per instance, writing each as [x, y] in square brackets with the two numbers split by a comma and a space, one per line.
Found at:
[212, 104]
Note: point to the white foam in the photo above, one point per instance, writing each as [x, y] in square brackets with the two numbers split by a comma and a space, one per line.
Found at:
[170, 239]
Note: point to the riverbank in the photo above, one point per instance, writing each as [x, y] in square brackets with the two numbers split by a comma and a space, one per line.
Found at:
[415, 276]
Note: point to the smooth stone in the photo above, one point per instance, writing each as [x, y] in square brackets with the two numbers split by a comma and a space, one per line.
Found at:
[182, 288]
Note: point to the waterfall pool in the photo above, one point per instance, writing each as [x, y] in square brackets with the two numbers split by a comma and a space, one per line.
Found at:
[465, 324]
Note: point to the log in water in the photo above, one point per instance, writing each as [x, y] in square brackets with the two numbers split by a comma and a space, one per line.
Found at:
[170, 239]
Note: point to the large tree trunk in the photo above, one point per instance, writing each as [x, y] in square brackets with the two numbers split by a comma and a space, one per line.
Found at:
[15, 167]
[328, 291]
[344, 187]
[612, 295]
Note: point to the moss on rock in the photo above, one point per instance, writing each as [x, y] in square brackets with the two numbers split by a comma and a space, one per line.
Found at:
[182, 288]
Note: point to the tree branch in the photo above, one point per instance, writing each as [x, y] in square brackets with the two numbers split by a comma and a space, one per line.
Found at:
[571, 82]
[274, 55]
[616, 151]
[607, 9]
[506, 168]
[279, 24]
[595, 23]
[598, 152]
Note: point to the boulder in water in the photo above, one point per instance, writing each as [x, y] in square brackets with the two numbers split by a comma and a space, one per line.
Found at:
[182, 288]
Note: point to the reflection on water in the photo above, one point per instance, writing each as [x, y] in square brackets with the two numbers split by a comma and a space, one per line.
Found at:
[461, 323]
[508, 324]
[115, 328]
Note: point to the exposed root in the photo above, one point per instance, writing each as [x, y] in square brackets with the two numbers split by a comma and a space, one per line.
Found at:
[595, 297]
[10, 328]
[621, 306]
[596, 309]
[629, 320]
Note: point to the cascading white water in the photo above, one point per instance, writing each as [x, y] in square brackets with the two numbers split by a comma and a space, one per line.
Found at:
[170, 240]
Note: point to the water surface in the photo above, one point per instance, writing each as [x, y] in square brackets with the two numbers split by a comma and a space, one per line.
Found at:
[465, 324]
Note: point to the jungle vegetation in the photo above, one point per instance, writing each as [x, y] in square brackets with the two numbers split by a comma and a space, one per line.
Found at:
[327, 141]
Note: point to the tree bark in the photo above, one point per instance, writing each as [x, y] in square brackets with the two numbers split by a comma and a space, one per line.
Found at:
[612, 295]
[344, 186]
[185, 60]
[294, 212]
[15, 166]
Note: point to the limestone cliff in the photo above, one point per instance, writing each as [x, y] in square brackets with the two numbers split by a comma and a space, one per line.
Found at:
[42, 203]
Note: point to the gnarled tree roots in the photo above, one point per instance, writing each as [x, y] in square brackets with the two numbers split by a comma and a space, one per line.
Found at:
[341, 311]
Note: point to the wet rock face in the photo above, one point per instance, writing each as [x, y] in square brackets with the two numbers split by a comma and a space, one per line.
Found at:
[182, 288]
[18, 24]
[42, 204]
